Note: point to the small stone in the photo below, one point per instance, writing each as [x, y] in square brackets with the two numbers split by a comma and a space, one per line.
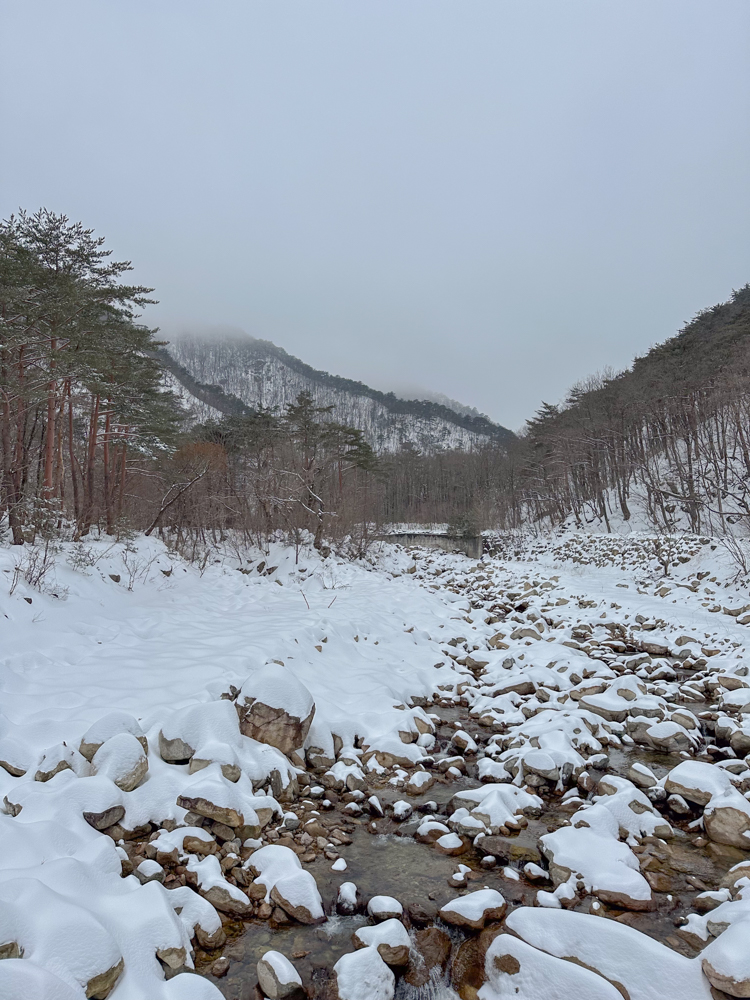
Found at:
[220, 967]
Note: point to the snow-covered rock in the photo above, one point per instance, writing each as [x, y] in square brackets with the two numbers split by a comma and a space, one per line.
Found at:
[391, 939]
[275, 707]
[474, 909]
[121, 758]
[363, 975]
[384, 908]
[287, 884]
[277, 976]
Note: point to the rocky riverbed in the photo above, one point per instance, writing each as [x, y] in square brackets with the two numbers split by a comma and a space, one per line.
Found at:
[566, 809]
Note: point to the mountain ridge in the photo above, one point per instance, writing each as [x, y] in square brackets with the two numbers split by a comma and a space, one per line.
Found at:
[234, 371]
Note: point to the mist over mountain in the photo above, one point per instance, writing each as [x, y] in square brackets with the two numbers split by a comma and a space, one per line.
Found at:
[227, 372]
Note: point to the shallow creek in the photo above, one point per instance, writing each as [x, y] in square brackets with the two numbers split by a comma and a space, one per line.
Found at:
[383, 859]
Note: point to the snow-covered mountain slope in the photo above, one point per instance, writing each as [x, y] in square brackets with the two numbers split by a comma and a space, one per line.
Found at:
[236, 372]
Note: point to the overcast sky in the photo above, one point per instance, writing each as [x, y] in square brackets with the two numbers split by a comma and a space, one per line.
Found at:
[486, 198]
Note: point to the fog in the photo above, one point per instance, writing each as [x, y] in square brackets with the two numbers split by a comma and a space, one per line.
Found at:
[487, 199]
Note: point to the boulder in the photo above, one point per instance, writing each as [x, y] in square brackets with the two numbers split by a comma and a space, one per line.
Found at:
[297, 894]
[697, 781]
[346, 901]
[277, 977]
[106, 728]
[390, 938]
[61, 758]
[121, 758]
[726, 961]
[363, 975]
[474, 909]
[727, 820]
[15, 758]
[275, 708]
[384, 908]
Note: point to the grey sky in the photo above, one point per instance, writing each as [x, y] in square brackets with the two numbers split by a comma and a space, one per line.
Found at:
[487, 198]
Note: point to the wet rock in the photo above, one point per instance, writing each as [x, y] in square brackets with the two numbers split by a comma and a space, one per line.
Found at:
[210, 939]
[421, 915]
[220, 967]
[467, 970]
[434, 945]
[346, 901]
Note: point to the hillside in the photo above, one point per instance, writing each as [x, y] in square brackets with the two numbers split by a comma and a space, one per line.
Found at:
[667, 438]
[232, 373]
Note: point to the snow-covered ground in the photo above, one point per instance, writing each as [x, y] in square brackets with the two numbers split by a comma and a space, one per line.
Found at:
[113, 670]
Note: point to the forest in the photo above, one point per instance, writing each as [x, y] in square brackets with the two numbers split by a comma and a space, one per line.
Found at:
[91, 438]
